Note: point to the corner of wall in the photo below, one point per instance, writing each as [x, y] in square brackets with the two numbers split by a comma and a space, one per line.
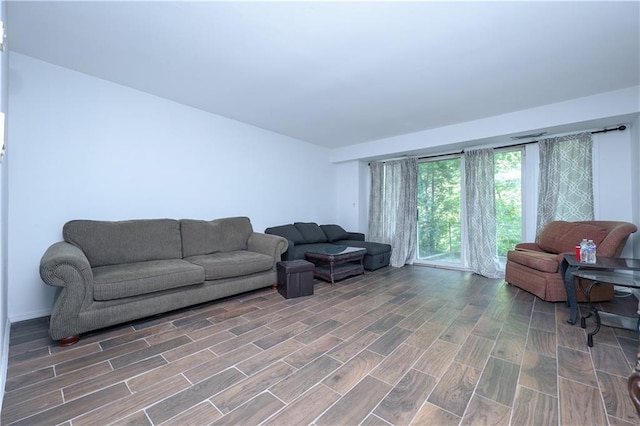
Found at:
[635, 184]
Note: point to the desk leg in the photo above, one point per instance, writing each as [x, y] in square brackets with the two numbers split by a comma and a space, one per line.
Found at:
[592, 310]
[570, 287]
[633, 384]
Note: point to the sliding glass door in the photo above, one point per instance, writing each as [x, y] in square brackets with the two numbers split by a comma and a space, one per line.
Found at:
[441, 235]
[508, 181]
[439, 211]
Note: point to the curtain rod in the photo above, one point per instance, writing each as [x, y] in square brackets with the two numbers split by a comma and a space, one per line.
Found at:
[619, 128]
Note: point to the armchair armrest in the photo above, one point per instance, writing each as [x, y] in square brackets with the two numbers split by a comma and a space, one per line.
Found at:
[529, 246]
[271, 245]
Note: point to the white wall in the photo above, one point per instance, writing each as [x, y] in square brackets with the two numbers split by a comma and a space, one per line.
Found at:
[635, 181]
[613, 186]
[86, 148]
[555, 118]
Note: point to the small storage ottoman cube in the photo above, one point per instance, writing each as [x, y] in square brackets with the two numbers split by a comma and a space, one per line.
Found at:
[295, 278]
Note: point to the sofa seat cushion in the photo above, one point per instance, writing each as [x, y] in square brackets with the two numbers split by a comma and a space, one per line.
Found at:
[232, 264]
[540, 261]
[133, 279]
[373, 249]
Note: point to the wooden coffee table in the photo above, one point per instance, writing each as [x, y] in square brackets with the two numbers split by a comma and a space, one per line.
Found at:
[336, 263]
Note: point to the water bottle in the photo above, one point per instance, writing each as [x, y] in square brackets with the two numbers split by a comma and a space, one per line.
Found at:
[584, 251]
[592, 251]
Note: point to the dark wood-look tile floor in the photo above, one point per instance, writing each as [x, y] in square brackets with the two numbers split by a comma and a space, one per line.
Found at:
[413, 345]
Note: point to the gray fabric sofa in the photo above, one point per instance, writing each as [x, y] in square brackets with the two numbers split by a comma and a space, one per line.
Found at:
[114, 272]
[305, 236]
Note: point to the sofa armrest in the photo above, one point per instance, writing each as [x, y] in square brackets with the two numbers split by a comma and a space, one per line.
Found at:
[66, 266]
[356, 236]
[271, 245]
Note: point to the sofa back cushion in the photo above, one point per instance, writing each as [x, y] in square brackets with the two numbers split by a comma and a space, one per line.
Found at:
[311, 232]
[290, 232]
[562, 237]
[201, 237]
[112, 243]
[334, 233]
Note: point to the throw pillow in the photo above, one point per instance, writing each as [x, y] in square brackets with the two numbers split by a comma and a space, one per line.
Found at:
[289, 232]
[334, 232]
[311, 232]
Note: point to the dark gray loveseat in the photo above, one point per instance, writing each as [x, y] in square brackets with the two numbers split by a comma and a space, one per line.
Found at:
[113, 272]
[304, 236]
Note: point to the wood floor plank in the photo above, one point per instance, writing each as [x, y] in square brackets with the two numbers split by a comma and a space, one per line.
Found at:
[351, 347]
[431, 414]
[509, 346]
[576, 365]
[98, 382]
[308, 353]
[55, 383]
[368, 350]
[200, 414]
[609, 359]
[498, 381]
[253, 412]
[389, 341]
[406, 398]
[349, 374]
[542, 342]
[299, 382]
[455, 388]
[193, 395]
[483, 411]
[276, 337]
[197, 373]
[397, 364]
[533, 408]
[241, 392]
[540, 373]
[437, 359]
[119, 408]
[271, 355]
[580, 404]
[152, 377]
[356, 405]
[306, 408]
[69, 410]
[475, 351]
[616, 397]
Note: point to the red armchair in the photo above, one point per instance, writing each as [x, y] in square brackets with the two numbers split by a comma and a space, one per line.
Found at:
[535, 267]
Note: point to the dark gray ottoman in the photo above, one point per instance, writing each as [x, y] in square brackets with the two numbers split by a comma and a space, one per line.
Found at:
[295, 278]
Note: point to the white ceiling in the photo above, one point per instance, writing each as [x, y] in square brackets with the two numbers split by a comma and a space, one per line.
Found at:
[342, 73]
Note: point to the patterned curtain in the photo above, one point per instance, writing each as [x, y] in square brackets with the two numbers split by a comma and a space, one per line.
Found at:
[566, 179]
[393, 208]
[481, 213]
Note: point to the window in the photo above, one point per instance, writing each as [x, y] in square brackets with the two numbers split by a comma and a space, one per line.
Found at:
[440, 191]
[439, 206]
[508, 182]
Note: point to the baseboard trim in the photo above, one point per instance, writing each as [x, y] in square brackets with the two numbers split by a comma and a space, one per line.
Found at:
[4, 360]
[29, 316]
